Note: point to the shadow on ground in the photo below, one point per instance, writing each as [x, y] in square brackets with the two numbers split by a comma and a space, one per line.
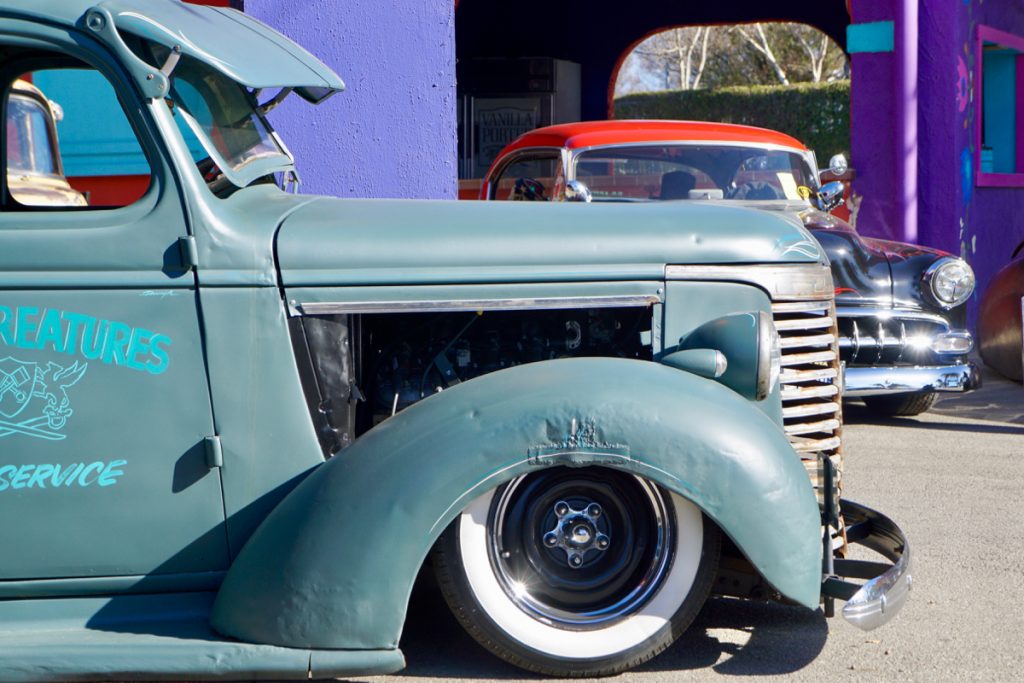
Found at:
[733, 637]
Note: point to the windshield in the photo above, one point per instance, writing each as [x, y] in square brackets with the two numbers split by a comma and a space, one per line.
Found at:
[222, 114]
[694, 171]
[30, 146]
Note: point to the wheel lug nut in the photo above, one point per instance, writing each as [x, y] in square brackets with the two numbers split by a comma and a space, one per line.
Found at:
[575, 560]
[550, 539]
[602, 542]
[561, 508]
[594, 510]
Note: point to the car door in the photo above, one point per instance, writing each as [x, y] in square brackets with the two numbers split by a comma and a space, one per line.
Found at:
[104, 400]
[530, 175]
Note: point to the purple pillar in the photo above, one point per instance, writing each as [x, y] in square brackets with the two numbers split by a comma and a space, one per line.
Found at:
[875, 138]
[906, 117]
[392, 132]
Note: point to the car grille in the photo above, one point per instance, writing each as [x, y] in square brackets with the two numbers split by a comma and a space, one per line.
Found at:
[887, 337]
[811, 384]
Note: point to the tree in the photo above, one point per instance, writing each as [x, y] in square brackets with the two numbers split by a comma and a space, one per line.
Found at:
[757, 38]
[679, 55]
[746, 54]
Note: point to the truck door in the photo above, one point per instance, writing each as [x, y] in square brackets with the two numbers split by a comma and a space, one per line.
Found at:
[104, 402]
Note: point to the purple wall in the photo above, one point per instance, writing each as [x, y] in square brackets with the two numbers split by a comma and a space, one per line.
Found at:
[994, 216]
[392, 132]
[983, 224]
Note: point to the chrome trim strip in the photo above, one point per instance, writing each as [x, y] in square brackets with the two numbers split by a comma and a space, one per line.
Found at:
[881, 596]
[795, 282]
[877, 381]
[889, 314]
[455, 305]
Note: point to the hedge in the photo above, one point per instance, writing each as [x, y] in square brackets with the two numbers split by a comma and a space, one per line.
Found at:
[817, 114]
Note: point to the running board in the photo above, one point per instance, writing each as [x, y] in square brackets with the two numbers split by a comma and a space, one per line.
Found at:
[154, 637]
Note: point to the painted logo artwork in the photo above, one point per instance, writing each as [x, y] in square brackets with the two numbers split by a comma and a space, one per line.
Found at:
[34, 400]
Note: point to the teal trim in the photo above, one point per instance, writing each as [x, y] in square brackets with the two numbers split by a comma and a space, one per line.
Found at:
[875, 36]
[95, 136]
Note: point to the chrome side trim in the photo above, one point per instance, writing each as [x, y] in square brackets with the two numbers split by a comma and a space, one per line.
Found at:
[455, 305]
[878, 381]
[797, 282]
[889, 314]
[880, 597]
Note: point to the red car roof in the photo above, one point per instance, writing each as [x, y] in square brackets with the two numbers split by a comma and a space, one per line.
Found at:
[597, 133]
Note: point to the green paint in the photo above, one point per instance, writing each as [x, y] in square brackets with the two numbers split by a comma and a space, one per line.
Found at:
[875, 36]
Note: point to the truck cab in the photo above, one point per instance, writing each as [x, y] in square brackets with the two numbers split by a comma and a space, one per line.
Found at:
[236, 421]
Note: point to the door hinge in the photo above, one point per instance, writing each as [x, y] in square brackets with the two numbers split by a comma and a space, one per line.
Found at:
[214, 452]
[189, 252]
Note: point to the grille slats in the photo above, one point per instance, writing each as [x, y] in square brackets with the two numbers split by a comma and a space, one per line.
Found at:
[811, 382]
[815, 340]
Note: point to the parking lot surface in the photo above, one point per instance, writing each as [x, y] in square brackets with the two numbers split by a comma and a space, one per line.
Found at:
[953, 479]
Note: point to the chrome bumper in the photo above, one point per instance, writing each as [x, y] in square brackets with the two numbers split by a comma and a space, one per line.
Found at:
[880, 380]
[886, 586]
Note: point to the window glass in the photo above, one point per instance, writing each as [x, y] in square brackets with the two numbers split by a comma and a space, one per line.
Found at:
[698, 171]
[999, 106]
[535, 178]
[224, 113]
[70, 144]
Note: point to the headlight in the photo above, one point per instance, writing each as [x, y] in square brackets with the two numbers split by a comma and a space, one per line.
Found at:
[722, 349]
[951, 281]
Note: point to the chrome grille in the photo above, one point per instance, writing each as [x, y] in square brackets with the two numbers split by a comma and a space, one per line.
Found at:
[811, 382]
[888, 337]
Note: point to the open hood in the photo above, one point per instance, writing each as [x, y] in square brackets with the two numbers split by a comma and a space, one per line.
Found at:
[238, 46]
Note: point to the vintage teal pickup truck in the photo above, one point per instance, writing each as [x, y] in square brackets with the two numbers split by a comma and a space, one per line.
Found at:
[236, 422]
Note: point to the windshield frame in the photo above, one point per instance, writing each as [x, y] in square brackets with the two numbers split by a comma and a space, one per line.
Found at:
[806, 154]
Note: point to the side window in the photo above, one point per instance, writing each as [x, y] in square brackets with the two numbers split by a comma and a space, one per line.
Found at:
[533, 178]
[69, 144]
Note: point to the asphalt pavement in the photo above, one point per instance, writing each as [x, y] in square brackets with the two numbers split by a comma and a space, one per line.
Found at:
[953, 479]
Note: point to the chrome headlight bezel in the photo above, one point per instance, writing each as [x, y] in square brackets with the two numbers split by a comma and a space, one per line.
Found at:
[769, 361]
[949, 282]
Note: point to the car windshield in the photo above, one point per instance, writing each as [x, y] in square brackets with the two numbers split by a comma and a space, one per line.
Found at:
[694, 171]
[30, 148]
[222, 114]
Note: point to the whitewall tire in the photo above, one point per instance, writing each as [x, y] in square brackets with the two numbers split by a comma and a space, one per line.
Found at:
[577, 572]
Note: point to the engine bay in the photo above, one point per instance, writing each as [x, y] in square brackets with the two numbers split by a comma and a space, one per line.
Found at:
[359, 370]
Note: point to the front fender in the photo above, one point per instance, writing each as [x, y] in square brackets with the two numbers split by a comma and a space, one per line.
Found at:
[333, 565]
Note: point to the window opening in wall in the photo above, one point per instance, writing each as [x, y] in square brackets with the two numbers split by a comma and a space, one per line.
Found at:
[999, 134]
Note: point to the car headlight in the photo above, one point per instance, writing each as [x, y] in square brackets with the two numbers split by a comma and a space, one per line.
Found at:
[950, 281]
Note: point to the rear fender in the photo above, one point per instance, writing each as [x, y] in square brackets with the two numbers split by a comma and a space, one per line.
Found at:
[333, 565]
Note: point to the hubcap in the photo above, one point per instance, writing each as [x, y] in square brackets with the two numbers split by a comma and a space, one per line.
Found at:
[577, 532]
[580, 547]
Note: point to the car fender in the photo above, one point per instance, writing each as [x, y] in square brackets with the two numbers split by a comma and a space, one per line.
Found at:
[333, 565]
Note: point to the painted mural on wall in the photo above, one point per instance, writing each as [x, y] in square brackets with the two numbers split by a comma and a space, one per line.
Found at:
[965, 106]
